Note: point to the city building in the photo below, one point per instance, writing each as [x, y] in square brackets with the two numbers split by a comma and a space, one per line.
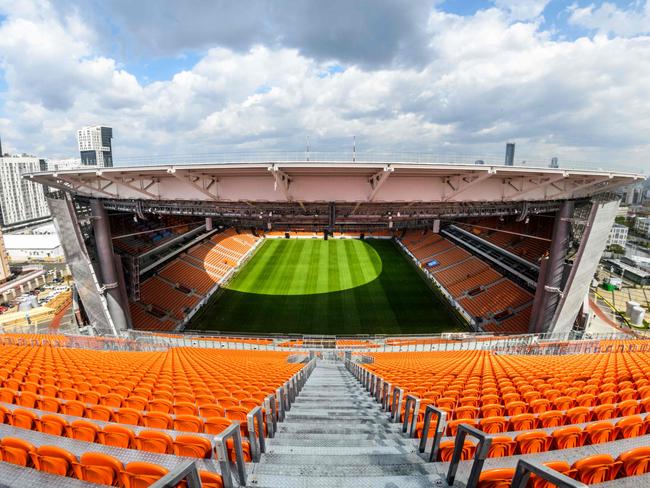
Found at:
[63, 164]
[642, 226]
[21, 200]
[618, 235]
[95, 146]
[33, 247]
[5, 272]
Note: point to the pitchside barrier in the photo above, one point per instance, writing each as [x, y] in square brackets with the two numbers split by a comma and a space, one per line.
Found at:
[528, 344]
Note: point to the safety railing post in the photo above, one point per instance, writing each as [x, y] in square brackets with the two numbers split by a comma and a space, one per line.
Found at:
[279, 399]
[441, 425]
[231, 432]
[480, 455]
[186, 471]
[525, 468]
[256, 437]
[271, 415]
[411, 409]
[385, 396]
[396, 404]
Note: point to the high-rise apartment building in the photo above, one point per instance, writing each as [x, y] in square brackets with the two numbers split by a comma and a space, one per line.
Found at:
[5, 272]
[95, 146]
[21, 200]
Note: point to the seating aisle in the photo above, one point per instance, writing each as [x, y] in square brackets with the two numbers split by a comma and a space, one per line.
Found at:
[336, 435]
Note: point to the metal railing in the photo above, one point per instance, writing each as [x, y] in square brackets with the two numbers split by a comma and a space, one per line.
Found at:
[524, 469]
[482, 448]
[351, 156]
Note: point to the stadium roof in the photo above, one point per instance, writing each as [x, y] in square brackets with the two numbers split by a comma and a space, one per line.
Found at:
[313, 181]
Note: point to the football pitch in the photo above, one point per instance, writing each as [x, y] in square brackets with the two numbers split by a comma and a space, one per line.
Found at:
[313, 286]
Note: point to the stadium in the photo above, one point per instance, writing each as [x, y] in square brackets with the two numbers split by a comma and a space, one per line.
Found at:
[329, 322]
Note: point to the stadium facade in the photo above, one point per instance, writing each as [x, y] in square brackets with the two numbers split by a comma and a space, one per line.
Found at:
[93, 209]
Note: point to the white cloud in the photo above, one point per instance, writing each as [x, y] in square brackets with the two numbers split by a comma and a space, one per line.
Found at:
[522, 9]
[487, 79]
[610, 19]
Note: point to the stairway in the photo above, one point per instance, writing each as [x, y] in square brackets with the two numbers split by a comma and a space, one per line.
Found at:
[336, 435]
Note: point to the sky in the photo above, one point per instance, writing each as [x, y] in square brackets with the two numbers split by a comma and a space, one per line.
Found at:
[565, 79]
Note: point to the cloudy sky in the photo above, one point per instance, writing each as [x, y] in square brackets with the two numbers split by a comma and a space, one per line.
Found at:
[447, 76]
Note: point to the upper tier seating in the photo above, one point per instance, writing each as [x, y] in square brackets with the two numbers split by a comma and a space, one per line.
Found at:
[181, 283]
[478, 288]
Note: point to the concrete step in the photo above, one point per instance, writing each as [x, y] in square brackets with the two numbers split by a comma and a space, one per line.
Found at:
[358, 440]
[364, 467]
[347, 451]
[338, 429]
[386, 481]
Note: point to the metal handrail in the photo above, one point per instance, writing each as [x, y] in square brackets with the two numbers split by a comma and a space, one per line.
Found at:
[484, 442]
[271, 415]
[411, 409]
[231, 432]
[525, 468]
[256, 437]
[185, 472]
[441, 424]
[396, 404]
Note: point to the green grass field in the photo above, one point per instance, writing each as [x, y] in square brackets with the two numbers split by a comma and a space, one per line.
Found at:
[314, 286]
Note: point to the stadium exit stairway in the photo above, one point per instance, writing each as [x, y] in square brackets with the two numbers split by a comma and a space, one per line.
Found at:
[336, 435]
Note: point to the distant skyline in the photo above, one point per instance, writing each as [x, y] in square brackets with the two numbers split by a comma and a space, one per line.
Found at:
[560, 79]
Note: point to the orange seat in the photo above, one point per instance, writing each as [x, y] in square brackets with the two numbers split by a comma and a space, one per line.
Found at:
[596, 469]
[501, 446]
[212, 410]
[560, 466]
[73, 407]
[185, 408]
[635, 461]
[140, 474]
[210, 480]
[578, 415]
[523, 421]
[493, 425]
[112, 400]
[159, 405]
[53, 460]
[98, 468]
[492, 410]
[16, 451]
[516, 408]
[158, 420]
[467, 412]
[629, 427]
[452, 427]
[192, 446]
[627, 407]
[568, 437]
[599, 432]
[135, 402]
[540, 405]
[99, 412]
[188, 423]
[49, 404]
[496, 478]
[446, 450]
[117, 436]
[83, 430]
[154, 441]
[533, 442]
[27, 399]
[128, 416]
[551, 418]
[25, 419]
[52, 424]
[604, 412]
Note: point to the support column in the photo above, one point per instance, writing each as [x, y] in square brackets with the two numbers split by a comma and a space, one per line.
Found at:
[554, 267]
[109, 275]
[208, 224]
